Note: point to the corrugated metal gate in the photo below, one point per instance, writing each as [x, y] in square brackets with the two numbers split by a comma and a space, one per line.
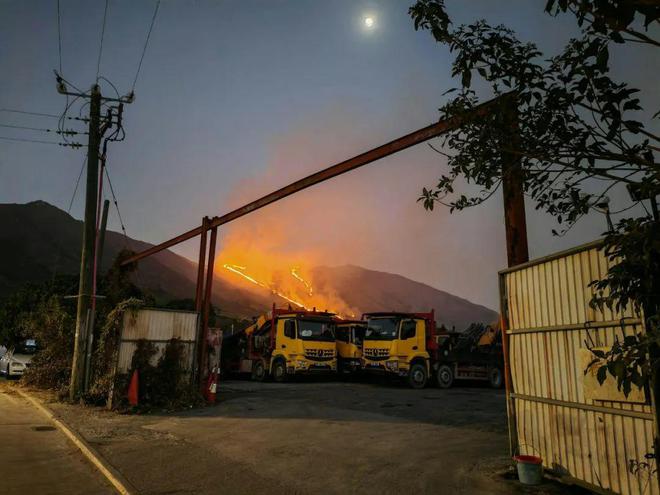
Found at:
[586, 433]
[157, 326]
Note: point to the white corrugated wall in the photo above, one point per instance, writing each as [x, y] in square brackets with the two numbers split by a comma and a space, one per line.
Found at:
[158, 326]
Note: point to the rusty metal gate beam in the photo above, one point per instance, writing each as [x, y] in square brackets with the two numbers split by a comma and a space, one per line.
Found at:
[387, 149]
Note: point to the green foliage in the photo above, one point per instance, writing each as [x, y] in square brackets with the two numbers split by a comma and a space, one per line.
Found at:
[166, 384]
[634, 276]
[567, 123]
[627, 361]
[17, 309]
[53, 327]
[106, 350]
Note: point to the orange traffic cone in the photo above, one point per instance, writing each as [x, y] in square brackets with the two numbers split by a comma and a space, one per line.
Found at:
[133, 389]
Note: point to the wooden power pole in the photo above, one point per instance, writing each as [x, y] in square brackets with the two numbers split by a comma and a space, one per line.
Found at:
[87, 266]
[88, 244]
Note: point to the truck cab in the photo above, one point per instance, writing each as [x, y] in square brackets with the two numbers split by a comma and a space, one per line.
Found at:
[400, 344]
[288, 342]
[349, 335]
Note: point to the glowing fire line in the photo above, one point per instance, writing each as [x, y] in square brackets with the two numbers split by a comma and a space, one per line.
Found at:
[238, 270]
[294, 272]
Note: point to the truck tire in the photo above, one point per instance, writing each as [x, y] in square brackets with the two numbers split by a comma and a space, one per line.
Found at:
[495, 378]
[417, 376]
[445, 376]
[258, 371]
[279, 371]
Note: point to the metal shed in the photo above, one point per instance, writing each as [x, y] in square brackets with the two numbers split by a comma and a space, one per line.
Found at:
[585, 433]
[157, 326]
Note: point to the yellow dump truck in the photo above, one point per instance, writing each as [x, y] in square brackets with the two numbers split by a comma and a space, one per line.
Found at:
[349, 334]
[401, 344]
[286, 342]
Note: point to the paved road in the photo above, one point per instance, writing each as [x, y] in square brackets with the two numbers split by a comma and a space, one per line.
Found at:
[313, 438]
[35, 458]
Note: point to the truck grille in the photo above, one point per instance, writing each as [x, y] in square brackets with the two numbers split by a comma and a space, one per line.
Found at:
[376, 354]
[319, 354]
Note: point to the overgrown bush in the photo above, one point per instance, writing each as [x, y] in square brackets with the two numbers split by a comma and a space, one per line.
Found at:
[53, 327]
[106, 350]
[165, 384]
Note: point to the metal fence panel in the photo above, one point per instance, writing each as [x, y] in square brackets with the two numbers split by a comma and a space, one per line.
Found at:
[158, 326]
[549, 325]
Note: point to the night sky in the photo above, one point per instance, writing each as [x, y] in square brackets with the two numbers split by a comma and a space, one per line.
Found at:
[236, 99]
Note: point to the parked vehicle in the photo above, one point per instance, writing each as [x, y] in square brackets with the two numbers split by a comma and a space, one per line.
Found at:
[350, 336]
[475, 354]
[401, 344]
[16, 360]
[282, 343]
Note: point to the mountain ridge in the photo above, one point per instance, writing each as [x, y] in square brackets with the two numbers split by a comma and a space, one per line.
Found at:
[39, 240]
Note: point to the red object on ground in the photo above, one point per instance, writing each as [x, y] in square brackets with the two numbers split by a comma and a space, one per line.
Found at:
[211, 386]
[133, 389]
[528, 459]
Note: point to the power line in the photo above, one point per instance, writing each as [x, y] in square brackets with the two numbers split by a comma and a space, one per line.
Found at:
[38, 114]
[29, 113]
[146, 43]
[98, 63]
[59, 34]
[72, 145]
[26, 128]
[56, 265]
[114, 199]
[75, 189]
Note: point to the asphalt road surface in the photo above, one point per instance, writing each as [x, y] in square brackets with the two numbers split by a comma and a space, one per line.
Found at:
[314, 437]
[35, 457]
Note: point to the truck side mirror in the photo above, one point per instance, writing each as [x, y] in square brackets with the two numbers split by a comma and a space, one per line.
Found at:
[408, 329]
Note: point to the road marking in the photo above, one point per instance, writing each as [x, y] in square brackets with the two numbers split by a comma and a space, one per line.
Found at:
[92, 456]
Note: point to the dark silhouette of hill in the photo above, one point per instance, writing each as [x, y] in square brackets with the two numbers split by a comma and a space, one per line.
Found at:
[38, 240]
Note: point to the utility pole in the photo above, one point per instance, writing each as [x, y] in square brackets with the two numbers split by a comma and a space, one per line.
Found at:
[84, 313]
[515, 222]
[88, 242]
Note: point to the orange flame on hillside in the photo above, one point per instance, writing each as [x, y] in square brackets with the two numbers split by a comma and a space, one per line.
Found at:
[287, 276]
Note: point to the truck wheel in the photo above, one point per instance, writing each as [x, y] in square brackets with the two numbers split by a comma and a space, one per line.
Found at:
[279, 371]
[445, 376]
[417, 376]
[495, 378]
[258, 371]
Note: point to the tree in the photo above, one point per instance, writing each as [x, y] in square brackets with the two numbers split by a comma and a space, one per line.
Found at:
[577, 132]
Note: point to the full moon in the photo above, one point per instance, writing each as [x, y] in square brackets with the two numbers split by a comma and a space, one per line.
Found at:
[369, 22]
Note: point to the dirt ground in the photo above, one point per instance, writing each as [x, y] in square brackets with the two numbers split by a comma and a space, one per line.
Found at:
[313, 437]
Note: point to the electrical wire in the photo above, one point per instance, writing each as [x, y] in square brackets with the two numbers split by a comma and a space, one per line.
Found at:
[25, 128]
[75, 189]
[146, 43]
[114, 200]
[9, 110]
[98, 63]
[59, 34]
[110, 83]
[56, 265]
[31, 140]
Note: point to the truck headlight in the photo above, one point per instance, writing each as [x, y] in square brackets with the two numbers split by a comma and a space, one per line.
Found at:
[392, 365]
[301, 364]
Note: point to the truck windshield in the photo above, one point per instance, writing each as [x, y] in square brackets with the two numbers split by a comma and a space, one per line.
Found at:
[316, 330]
[381, 329]
[358, 334]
